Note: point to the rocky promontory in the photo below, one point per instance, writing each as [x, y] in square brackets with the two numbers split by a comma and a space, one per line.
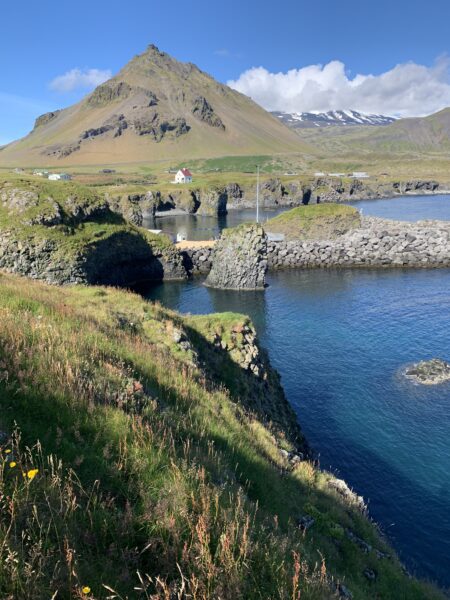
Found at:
[71, 235]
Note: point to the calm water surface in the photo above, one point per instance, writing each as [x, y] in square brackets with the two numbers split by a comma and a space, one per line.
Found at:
[404, 208]
[408, 208]
[341, 340]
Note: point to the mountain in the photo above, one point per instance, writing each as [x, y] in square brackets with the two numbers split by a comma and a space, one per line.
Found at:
[155, 108]
[332, 118]
[430, 133]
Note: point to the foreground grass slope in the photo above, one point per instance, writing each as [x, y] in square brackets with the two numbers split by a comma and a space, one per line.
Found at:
[131, 469]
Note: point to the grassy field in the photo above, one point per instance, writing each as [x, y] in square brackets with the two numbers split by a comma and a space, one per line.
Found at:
[125, 466]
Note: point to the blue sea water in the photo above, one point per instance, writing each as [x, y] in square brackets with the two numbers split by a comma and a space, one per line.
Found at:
[404, 208]
[408, 208]
[341, 340]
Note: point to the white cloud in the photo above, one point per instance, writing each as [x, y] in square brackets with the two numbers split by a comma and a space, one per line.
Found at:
[406, 90]
[79, 78]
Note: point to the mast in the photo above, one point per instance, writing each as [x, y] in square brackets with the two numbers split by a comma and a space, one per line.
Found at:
[257, 194]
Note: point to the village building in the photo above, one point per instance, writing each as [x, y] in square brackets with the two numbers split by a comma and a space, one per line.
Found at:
[183, 176]
[59, 177]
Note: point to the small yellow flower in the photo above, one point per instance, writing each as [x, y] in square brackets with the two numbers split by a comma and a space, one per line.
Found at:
[12, 464]
[32, 474]
[86, 589]
[8, 451]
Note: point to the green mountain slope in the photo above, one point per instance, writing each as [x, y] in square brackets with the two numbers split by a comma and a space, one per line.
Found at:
[155, 108]
[139, 454]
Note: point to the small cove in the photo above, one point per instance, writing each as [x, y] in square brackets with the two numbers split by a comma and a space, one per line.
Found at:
[340, 340]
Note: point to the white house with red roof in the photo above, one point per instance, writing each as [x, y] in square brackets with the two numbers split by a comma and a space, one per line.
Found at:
[183, 176]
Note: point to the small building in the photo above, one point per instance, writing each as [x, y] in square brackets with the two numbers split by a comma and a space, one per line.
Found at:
[336, 175]
[40, 172]
[183, 176]
[359, 175]
[59, 177]
[319, 174]
[18, 170]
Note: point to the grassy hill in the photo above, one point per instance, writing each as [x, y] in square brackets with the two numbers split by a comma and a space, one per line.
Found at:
[155, 108]
[138, 462]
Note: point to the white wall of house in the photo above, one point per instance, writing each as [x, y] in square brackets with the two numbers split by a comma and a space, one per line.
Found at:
[180, 177]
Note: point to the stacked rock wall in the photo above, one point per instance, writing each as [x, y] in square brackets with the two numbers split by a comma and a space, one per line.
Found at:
[378, 243]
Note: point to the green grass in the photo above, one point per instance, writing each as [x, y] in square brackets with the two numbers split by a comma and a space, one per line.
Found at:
[74, 233]
[315, 221]
[153, 473]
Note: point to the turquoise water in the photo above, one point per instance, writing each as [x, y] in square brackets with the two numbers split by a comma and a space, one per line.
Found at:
[340, 340]
[408, 208]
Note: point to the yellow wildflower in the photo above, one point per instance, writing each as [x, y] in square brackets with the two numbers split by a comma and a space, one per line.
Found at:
[86, 589]
[32, 474]
[8, 451]
[12, 464]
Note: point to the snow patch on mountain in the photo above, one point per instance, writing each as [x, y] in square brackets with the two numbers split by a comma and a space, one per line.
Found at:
[331, 118]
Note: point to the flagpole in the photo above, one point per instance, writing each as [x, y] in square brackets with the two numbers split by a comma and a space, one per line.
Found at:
[257, 194]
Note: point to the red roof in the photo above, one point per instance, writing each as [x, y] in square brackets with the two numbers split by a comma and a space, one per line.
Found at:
[186, 172]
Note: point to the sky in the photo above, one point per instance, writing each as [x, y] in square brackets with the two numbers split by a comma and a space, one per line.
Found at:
[384, 56]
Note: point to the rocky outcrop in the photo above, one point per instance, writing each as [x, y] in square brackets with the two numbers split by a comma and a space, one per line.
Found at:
[203, 111]
[121, 259]
[108, 92]
[404, 187]
[232, 356]
[134, 208]
[158, 127]
[212, 202]
[115, 124]
[240, 259]
[429, 372]
[46, 118]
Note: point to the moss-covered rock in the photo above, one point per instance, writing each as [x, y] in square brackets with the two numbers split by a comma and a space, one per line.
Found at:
[321, 221]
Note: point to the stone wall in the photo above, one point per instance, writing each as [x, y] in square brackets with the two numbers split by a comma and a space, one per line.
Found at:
[197, 260]
[377, 243]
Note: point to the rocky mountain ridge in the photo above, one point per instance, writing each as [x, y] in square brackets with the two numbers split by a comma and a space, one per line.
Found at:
[331, 118]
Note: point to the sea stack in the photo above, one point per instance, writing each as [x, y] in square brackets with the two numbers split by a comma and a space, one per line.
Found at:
[239, 260]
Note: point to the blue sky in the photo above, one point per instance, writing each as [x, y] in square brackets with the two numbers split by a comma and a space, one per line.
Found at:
[43, 41]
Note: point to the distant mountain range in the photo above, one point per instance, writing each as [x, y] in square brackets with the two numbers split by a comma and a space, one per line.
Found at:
[155, 108]
[417, 135]
[305, 120]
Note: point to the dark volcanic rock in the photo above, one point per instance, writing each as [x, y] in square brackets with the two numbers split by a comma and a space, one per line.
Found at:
[203, 111]
[429, 372]
[109, 92]
[117, 124]
[46, 118]
[240, 259]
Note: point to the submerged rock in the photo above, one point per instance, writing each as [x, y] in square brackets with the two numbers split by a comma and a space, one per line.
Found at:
[429, 372]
